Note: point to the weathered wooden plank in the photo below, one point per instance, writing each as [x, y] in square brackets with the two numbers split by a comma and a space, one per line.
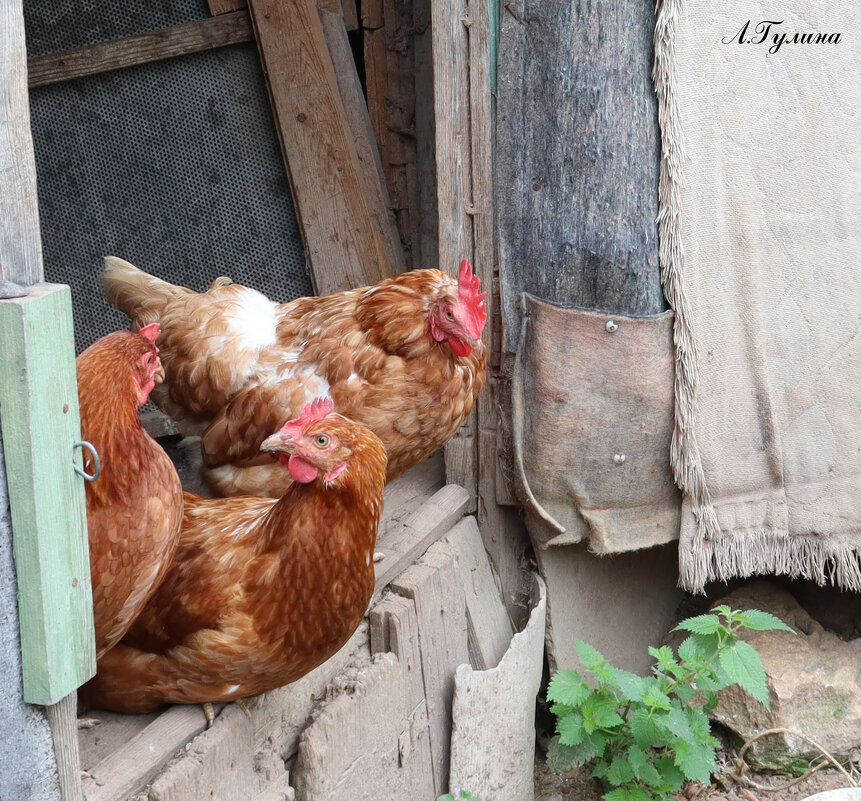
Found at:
[344, 250]
[403, 544]
[219, 765]
[395, 629]
[577, 158]
[354, 748]
[20, 241]
[350, 14]
[193, 37]
[62, 718]
[39, 401]
[493, 736]
[502, 529]
[225, 6]
[489, 626]
[425, 250]
[455, 204]
[370, 171]
[434, 585]
[130, 767]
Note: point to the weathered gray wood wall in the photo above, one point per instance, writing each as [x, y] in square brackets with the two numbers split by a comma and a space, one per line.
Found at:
[577, 156]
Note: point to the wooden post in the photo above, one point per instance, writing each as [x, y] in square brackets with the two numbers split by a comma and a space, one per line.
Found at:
[342, 243]
[577, 157]
[463, 133]
[46, 498]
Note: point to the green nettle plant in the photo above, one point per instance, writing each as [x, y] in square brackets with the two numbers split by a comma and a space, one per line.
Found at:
[458, 795]
[645, 736]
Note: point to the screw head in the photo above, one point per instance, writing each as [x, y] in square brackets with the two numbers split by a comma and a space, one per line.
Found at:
[612, 326]
[619, 459]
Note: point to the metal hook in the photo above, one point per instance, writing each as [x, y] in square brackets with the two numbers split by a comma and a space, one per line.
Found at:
[95, 454]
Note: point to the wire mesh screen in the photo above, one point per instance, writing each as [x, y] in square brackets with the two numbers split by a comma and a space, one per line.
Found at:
[55, 25]
[173, 165]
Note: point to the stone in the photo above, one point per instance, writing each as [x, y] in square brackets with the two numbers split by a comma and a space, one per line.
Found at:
[814, 681]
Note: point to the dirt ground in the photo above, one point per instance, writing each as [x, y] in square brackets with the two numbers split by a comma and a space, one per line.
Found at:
[578, 786]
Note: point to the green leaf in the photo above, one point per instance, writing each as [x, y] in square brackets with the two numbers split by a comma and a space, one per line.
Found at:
[630, 684]
[761, 621]
[701, 624]
[646, 732]
[696, 761]
[676, 722]
[699, 723]
[642, 766]
[663, 656]
[685, 692]
[570, 729]
[633, 793]
[743, 665]
[691, 651]
[620, 771]
[653, 698]
[601, 712]
[589, 656]
[600, 770]
[567, 687]
[563, 757]
[671, 777]
[561, 710]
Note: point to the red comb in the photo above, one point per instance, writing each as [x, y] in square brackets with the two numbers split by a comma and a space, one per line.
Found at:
[150, 332]
[473, 303]
[317, 409]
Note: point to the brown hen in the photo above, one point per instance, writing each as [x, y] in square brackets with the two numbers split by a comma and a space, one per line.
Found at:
[134, 507]
[403, 358]
[260, 591]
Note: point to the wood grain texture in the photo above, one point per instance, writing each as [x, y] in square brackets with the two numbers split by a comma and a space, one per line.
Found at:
[577, 157]
[130, 767]
[493, 736]
[370, 170]
[489, 627]
[193, 37]
[225, 6]
[355, 749]
[62, 718]
[401, 545]
[343, 248]
[433, 584]
[40, 423]
[20, 240]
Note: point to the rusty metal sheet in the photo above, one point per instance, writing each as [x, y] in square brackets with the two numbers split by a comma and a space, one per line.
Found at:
[592, 408]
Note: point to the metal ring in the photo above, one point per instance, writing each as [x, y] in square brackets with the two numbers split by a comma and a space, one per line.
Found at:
[95, 454]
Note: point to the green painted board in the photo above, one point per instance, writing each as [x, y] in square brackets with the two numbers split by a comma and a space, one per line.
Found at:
[40, 424]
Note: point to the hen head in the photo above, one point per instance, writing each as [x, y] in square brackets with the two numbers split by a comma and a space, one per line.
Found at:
[459, 319]
[318, 443]
[147, 370]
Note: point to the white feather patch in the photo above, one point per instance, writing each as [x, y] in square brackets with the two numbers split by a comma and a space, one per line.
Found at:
[255, 320]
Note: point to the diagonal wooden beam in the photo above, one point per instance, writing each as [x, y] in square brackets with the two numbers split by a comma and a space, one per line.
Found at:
[193, 37]
[343, 247]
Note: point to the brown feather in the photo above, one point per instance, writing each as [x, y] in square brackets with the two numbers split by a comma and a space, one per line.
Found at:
[135, 506]
[260, 591]
[371, 350]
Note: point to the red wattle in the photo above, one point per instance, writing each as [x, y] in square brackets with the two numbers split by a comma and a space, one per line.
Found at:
[302, 472]
[459, 347]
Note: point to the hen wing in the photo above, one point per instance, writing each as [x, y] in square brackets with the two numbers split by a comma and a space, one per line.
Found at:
[131, 547]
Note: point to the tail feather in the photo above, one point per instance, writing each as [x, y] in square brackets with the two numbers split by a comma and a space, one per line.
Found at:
[137, 294]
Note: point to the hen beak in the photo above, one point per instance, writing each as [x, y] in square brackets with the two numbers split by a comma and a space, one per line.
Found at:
[277, 443]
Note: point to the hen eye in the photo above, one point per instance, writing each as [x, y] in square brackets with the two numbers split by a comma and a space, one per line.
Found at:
[448, 315]
[321, 440]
